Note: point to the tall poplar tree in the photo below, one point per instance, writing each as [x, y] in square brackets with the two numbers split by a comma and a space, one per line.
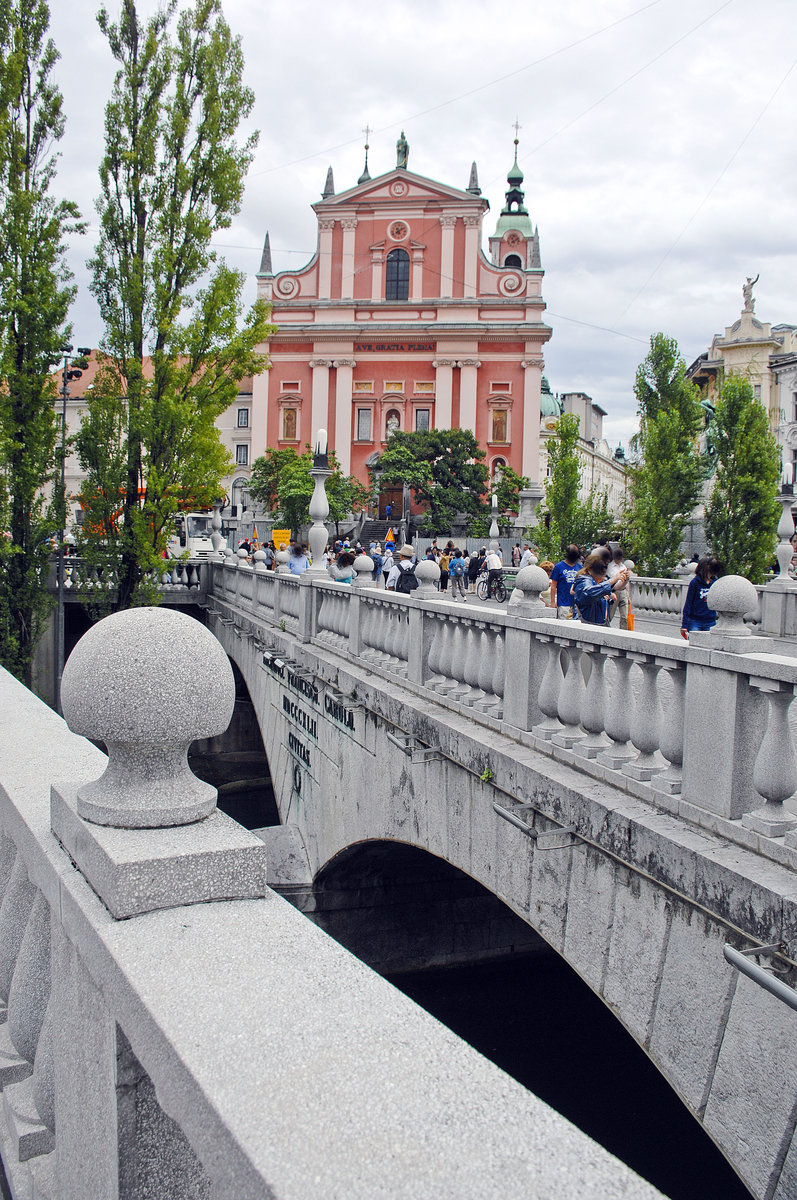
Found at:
[35, 295]
[172, 177]
[665, 484]
[743, 512]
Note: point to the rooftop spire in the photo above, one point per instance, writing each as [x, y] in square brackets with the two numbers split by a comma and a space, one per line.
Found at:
[515, 196]
[366, 175]
[329, 186]
[265, 261]
[473, 186]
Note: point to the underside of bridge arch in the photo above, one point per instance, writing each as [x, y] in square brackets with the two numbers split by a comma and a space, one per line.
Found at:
[236, 763]
[399, 908]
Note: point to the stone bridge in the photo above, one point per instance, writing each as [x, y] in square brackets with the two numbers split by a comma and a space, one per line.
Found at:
[627, 796]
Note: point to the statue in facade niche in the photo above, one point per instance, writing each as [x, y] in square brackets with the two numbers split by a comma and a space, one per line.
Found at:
[402, 151]
[747, 292]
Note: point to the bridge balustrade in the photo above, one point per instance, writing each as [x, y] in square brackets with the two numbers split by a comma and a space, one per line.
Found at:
[169, 1026]
[698, 730]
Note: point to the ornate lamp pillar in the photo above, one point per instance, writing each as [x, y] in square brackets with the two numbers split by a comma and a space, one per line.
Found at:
[784, 551]
[319, 505]
[494, 524]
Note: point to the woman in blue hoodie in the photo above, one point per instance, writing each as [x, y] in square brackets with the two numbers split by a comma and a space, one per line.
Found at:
[592, 590]
[697, 615]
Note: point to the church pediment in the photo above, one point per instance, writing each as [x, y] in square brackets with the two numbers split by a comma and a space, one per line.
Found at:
[399, 186]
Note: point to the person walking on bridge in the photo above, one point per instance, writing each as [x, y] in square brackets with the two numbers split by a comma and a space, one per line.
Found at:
[592, 591]
[563, 576]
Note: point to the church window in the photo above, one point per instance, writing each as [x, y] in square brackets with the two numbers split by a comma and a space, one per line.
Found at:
[397, 277]
[757, 390]
[242, 455]
[289, 425]
[243, 418]
[512, 260]
[499, 425]
[421, 420]
[363, 424]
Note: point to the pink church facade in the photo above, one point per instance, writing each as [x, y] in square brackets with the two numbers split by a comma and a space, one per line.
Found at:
[401, 321]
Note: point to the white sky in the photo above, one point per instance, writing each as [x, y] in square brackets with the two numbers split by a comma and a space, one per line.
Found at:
[657, 144]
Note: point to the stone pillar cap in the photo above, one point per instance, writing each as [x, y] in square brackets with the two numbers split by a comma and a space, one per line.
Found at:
[147, 683]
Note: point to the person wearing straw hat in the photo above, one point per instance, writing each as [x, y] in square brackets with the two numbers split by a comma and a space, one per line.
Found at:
[404, 565]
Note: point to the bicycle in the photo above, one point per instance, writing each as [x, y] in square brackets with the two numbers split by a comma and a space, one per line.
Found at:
[499, 589]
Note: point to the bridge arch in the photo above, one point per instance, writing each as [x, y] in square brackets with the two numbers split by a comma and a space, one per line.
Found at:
[637, 903]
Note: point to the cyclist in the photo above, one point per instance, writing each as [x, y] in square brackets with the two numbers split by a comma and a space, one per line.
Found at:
[494, 571]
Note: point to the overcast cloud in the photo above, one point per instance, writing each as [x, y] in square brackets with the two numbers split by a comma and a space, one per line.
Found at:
[657, 143]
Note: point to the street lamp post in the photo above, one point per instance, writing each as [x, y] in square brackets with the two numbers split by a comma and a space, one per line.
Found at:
[78, 363]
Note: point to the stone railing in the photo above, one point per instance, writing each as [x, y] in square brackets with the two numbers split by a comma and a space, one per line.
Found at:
[168, 1025]
[81, 579]
[679, 725]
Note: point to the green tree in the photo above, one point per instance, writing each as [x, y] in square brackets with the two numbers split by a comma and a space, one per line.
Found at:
[35, 295]
[665, 483]
[506, 486]
[743, 512]
[561, 488]
[172, 177]
[281, 481]
[443, 467]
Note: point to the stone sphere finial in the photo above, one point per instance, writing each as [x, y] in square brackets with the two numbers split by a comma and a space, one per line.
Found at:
[364, 570]
[259, 558]
[531, 581]
[731, 597]
[147, 682]
[427, 573]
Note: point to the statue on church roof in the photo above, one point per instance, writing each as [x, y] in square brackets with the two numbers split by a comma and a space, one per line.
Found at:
[747, 292]
[402, 151]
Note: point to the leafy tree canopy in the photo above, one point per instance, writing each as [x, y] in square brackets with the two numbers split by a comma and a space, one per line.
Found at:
[172, 176]
[444, 468]
[35, 294]
[282, 482]
[743, 512]
[665, 483]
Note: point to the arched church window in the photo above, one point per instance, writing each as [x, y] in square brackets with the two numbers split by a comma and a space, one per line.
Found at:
[392, 423]
[397, 275]
[512, 260]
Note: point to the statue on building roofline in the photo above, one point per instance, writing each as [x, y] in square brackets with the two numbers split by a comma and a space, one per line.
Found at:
[747, 292]
[402, 151]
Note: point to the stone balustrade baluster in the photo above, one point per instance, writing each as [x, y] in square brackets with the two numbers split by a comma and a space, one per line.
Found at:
[619, 707]
[402, 641]
[449, 649]
[775, 768]
[259, 560]
[645, 723]
[499, 669]
[369, 614]
[486, 668]
[549, 692]
[593, 706]
[392, 616]
[166, 580]
[672, 730]
[28, 996]
[29, 1104]
[324, 616]
[14, 912]
[470, 662]
[8, 854]
[571, 699]
[435, 652]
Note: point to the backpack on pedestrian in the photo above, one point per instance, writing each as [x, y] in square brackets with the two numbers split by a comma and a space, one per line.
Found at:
[407, 581]
[457, 568]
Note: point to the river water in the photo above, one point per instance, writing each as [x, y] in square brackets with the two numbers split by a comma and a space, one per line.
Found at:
[537, 1020]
